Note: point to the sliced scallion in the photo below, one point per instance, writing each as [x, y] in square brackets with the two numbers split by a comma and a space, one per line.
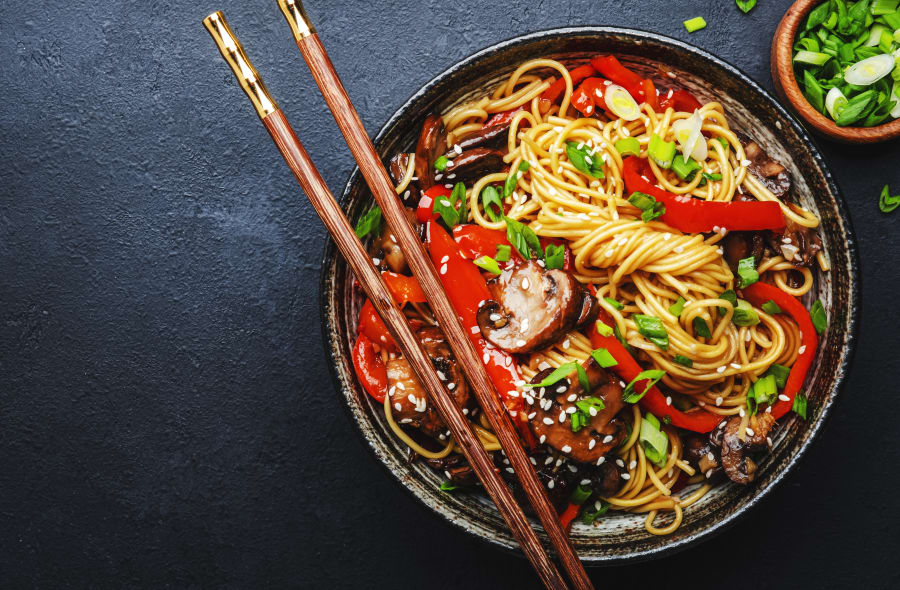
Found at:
[695, 24]
[488, 264]
[654, 440]
[628, 146]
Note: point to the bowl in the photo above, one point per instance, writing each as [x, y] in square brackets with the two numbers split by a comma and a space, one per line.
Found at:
[620, 537]
[781, 60]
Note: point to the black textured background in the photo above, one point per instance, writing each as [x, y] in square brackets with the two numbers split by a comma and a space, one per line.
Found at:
[166, 413]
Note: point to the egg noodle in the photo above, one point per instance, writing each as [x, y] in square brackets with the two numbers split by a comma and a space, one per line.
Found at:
[646, 267]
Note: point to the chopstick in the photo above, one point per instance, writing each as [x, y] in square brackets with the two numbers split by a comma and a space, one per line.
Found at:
[376, 177]
[352, 249]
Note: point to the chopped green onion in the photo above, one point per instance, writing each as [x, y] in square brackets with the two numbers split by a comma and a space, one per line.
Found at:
[603, 358]
[503, 253]
[764, 391]
[654, 440]
[695, 24]
[513, 179]
[650, 207]
[715, 176]
[855, 108]
[628, 146]
[811, 57]
[725, 144]
[770, 307]
[580, 495]
[448, 486]
[603, 329]
[583, 379]
[683, 360]
[582, 415]
[745, 5]
[370, 223]
[653, 329]
[701, 328]
[441, 163]
[731, 297]
[561, 372]
[458, 195]
[800, 404]
[584, 161]
[685, 170]
[813, 91]
[488, 264]
[492, 203]
[747, 271]
[880, 7]
[523, 239]
[819, 317]
[835, 102]
[870, 70]
[662, 152]
[886, 202]
[744, 314]
[780, 372]
[619, 337]
[651, 375]
[614, 304]
[600, 508]
[676, 308]
[554, 256]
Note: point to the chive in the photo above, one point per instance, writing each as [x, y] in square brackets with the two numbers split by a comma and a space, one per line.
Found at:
[714, 176]
[583, 161]
[662, 152]
[745, 5]
[448, 486]
[651, 375]
[488, 264]
[818, 315]
[653, 329]
[561, 372]
[770, 307]
[604, 358]
[731, 297]
[615, 304]
[763, 391]
[780, 372]
[583, 379]
[725, 145]
[686, 170]
[628, 146]
[444, 207]
[880, 7]
[747, 271]
[523, 239]
[649, 206]
[490, 198]
[818, 15]
[619, 337]
[582, 415]
[459, 196]
[654, 441]
[800, 404]
[676, 308]
[603, 329]
[580, 495]
[701, 328]
[886, 202]
[695, 24]
[744, 314]
[554, 256]
[812, 58]
[855, 108]
[513, 179]
[814, 92]
[370, 223]
[441, 163]
[600, 508]
[683, 360]
[503, 253]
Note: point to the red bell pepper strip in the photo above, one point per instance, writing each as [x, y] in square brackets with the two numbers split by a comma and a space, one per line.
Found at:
[466, 289]
[370, 371]
[503, 117]
[371, 325]
[555, 90]
[680, 100]
[612, 69]
[404, 289]
[650, 96]
[475, 240]
[588, 97]
[696, 216]
[759, 293]
[425, 209]
[653, 401]
[566, 518]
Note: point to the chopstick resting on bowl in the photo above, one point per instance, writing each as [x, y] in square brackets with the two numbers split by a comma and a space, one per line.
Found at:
[352, 249]
[376, 177]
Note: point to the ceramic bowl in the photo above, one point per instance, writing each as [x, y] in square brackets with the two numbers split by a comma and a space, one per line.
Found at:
[619, 537]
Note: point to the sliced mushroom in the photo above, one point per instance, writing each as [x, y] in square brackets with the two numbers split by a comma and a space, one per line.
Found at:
[397, 167]
[602, 432]
[798, 244]
[456, 468]
[738, 245]
[474, 163]
[607, 479]
[735, 445]
[532, 308]
[409, 402]
[489, 136]
[431, 144]
[773, 175]
[702, 453]
[387, 245]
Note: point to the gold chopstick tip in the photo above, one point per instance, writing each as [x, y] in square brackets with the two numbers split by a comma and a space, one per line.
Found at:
[296, 17]
[243, 70]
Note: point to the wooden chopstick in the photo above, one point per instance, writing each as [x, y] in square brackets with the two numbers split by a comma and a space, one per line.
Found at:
[376, 177]
[352, 249]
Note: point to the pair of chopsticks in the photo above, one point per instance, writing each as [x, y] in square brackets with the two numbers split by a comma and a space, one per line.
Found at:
[352, 249]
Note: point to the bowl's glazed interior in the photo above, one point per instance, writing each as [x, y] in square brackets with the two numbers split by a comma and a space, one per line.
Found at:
[619, 536]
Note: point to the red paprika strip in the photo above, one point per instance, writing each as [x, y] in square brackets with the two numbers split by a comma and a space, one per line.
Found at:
[475, 240]
[555, 90]
[759, 293]
[612, 69]
[405, 289]
[425, 209]
[370, 371]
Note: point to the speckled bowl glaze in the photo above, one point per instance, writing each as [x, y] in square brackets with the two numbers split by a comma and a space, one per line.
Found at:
[620, 537]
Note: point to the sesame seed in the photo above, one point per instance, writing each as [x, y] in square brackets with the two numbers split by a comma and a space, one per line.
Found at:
[400, 385]
[405, 420]
[566, 449]
[742, 413]
[544, 436]
[592, 411]
[520, 343]
[592, 444]
[398, 406]
[494, 317]
[668, 400]
[710, 456]
[562, 416]
[769, 440]
[572, 397]
[632, 465]
[451, 386]
[438, 176]
[570, 410]
[566, 344]
[735, 366]
[601, 460]
[721, 369]
[801, 350]
[750, 431]
[678, 249]
[784, 398]
[376, 261]
[709, 473]
[626, 476]
[548, 421]
[443, 269]
[562, 388]
[607, 439]
[532, 415]
[620, 463]
[525, 284]
[550, 484]
[719, 401]
[548, 461]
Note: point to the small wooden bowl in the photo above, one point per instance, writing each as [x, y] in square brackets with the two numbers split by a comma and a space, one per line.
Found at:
[788, 90]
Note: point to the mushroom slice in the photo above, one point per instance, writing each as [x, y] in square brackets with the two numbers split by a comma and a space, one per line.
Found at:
[734, 447]
[738, 245]
[798, 244]
[602, 432]
[701, 453]
[489, 136]
[432, 142]
[397, 167]
[532, 308]
[773, 175]
[475, 163]
[390, 249]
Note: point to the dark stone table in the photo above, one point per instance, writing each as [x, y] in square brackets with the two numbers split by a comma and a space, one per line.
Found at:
[166, 413]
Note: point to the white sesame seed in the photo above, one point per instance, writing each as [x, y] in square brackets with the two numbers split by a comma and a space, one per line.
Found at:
[525, 284]
[562, 416]
[486, 358]
[741, 413]
[405, 420]
[548, 461]
[566, 344]
[544, 436]
[566, 449]
[550, 484]
[719, 401]
[620, 463]
[451, 386]
[520, 343]
[709, 473]
[735, 366]
[443, 269]
[607, 439]
[592, 411]
[561, 389]
[494, 317]
[750, 431]
[626, 476]
[592, 444]
[570, 410]
[601, 460]
[400, 385]
[572, 397]
[532, 415]
[632, 465]
[548, 421]
[721, 369]
[668, 400]
[398, 406]
[678, 249]
[784, 398]
[801, 350]
[710, 456]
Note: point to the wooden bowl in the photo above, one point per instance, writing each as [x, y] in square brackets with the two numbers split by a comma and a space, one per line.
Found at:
[787, 88]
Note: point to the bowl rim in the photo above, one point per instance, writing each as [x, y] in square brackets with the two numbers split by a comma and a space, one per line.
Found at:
[853, 304]
[782, 70]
